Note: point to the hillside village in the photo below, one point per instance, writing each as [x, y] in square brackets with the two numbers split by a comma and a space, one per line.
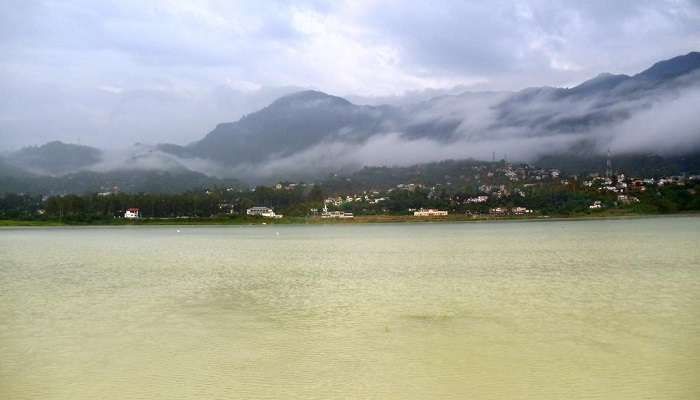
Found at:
[505, 190]
[468, 189]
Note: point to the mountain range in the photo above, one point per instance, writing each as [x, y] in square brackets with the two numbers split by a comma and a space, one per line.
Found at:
[309, 133]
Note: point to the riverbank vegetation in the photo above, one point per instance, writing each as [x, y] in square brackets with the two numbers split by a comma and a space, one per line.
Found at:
[554, 199]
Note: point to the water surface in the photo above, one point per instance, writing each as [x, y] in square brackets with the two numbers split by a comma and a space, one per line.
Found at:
[555, 310]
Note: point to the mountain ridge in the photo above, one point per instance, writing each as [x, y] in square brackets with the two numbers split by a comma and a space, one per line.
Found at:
[603, 85]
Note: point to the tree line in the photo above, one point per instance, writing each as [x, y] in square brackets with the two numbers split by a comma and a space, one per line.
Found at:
[548, 199]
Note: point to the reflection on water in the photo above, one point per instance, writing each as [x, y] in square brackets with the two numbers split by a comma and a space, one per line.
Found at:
[557, 310]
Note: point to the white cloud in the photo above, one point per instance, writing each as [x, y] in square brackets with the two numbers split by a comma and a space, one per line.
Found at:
[110, 89]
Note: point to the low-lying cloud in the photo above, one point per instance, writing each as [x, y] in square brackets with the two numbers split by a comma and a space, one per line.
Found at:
[665, 128]
[523, 126]
[664, 123]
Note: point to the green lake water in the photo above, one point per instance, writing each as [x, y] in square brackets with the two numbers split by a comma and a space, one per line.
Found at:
[537, 310]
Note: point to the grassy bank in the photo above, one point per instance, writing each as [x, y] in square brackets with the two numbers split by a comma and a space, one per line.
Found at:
[361, 219]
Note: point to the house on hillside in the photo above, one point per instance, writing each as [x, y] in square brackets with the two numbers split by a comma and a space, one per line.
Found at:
[498, 212]
[132, 213]
[477, 199]
[520, 211]
[597, 205]
[335, 214]
[627, 199]
[429, 213]
[266, 212]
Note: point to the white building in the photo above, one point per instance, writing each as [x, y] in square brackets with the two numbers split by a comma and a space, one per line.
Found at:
[266, 212]
[478, 199]
[520, 211]
[625, 199]
[335, 214]
[429, 213]
[498, 211]
[132, 213]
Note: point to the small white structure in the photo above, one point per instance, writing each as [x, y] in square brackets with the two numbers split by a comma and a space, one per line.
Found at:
[132, 213]
[625, 199]
[429, 213]
[335, 214]
[596, 205]
[478, 199]
[498, 211]
[520, 211]
[266, 212]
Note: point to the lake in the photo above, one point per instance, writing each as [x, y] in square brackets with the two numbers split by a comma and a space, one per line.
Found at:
[509, 310]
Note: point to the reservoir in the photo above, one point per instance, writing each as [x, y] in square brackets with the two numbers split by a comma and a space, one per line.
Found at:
[605, 309]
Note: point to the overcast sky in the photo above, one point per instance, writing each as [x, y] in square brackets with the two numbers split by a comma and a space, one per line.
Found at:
[114, 73]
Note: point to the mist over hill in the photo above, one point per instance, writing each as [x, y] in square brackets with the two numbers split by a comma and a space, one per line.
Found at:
[652, 111]
[309, 134]
[54, 158]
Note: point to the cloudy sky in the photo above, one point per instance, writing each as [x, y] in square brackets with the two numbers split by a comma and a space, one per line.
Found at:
[114, 73]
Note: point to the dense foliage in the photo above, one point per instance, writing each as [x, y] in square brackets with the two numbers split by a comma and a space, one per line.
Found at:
[205, 204]
[545, 199]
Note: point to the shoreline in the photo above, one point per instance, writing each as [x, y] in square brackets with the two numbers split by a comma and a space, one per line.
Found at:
[358, 220]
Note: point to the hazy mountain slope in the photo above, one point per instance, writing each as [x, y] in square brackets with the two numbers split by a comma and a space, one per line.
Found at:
[13, 179]
[7, 169]
[54, 158]
[126, 180]
[601, 101]
[671, 68]
[288, 125]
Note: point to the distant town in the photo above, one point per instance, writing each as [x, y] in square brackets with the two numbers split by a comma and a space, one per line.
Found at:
[480, 190]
